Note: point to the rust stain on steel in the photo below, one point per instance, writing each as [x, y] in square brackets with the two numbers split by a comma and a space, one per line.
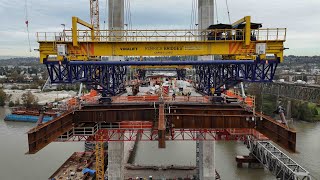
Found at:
[41, 136]
[277, 132]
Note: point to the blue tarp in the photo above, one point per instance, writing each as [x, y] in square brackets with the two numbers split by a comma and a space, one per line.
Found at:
[25, 118]
[90, 171]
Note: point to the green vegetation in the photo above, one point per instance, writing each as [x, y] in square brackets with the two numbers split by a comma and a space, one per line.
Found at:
[17, 102]
[3, 97]
[304, 111]
[11, 104]
[28, 99]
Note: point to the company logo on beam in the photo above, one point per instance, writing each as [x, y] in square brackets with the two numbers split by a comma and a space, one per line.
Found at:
[82, 49]
[239, 48]
[129, 49]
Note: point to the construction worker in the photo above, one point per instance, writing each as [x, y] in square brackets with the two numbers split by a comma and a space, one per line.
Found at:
[188, 95]
[173, 96]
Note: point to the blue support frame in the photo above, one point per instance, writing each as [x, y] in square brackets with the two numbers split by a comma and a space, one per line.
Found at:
[181, 74]
[226, 76]
[109, 76]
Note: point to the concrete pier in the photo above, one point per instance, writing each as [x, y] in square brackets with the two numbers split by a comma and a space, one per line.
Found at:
[116, 14]
[205, 19]
[116, 22]
[289, 109]
[115, 160]
[206, 160]
[205, 149]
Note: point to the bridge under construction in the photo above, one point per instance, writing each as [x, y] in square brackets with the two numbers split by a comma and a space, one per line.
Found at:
[208, 112]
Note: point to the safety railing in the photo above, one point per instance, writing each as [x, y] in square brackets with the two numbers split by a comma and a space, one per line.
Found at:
[152, 98]
[278, 34]
[247, 102]
[247, 131]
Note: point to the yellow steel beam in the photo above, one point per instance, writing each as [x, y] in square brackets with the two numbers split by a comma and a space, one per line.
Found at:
[247, 20]
[75, 22]
[242, 20]
[248, 30]
[85, 49]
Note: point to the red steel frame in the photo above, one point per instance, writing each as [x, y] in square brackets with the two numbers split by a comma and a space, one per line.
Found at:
[143, 131]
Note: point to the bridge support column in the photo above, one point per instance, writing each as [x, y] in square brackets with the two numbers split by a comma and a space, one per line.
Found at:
[289, 104]
[115, 160]
[205, 19]
[116, 22]
[206, 159]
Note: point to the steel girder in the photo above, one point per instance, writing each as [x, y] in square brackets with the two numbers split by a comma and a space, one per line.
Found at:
[293, 91]
[108, 79]
[218, 75]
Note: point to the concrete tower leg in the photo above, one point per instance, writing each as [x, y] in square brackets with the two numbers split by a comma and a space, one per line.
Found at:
[206, 160]
[116, 22]
[288, 109]
[115, 160]
[205, 19]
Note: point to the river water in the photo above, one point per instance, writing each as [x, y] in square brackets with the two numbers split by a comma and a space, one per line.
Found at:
[183, 153]
[15, 165]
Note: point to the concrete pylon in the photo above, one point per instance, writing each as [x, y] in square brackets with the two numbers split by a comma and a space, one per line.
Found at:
[205, 19]
[116, 22]
[206, 159]
[115, 160]
[288, 109]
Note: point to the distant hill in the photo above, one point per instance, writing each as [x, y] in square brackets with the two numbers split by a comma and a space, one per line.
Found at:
[20, 61]
[9, 57]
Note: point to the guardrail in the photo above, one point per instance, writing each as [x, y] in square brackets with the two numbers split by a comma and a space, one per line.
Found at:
[247, 102]
[156, 98]
[275, 34]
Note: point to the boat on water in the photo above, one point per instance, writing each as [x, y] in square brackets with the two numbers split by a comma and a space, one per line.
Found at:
[30, 115]
[26, 118]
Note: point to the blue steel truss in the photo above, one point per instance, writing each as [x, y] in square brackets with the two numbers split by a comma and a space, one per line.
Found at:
[181, 74]
[109, 76]
[228, 75]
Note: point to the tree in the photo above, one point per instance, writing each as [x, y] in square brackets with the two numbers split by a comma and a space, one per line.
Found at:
[3, 96]
[28, 99]
[17, 102]
[11, 104]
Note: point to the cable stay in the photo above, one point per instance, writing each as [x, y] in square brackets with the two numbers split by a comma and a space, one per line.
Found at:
[216, 6]
[228, 11]
[27, 24]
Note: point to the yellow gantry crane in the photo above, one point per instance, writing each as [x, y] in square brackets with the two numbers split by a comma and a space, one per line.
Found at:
[234, 43]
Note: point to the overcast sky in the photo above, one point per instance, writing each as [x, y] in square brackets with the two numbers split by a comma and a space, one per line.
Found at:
[301, 17]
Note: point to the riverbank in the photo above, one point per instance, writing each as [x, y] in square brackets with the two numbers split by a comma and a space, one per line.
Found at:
[43, 97]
